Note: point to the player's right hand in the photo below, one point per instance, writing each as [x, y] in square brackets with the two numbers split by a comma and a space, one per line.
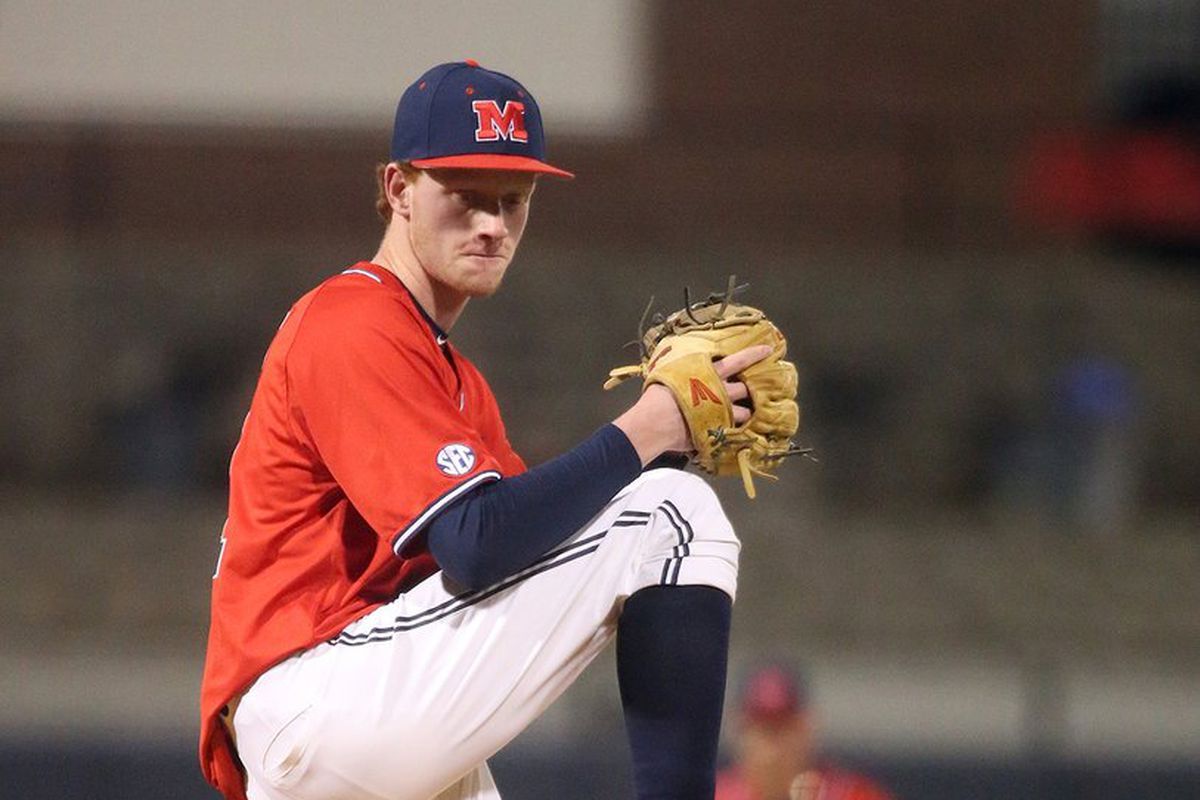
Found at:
[655, 425]
[730, 366]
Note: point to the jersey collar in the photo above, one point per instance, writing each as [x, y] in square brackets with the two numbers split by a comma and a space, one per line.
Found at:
[439, 335]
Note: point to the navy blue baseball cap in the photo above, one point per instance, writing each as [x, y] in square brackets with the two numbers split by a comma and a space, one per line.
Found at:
[460, 115]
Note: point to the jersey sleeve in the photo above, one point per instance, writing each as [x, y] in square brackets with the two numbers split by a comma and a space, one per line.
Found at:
[491, 427]
[374, 398]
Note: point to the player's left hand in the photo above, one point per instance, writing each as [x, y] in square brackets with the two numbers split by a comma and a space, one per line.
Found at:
[709, 355]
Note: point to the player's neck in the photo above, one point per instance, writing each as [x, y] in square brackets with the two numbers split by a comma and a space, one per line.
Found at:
[443, 304]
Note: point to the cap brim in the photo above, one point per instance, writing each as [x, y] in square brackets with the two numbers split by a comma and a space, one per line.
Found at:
[492, 161]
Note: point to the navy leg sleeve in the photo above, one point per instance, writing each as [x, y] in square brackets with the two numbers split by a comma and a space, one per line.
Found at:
[672, 647]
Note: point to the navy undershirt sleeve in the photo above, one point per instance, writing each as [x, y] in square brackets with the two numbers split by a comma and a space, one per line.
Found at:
[670, 460]
[505, 525]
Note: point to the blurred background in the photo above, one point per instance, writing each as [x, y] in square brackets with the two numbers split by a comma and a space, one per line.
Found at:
[979, 224]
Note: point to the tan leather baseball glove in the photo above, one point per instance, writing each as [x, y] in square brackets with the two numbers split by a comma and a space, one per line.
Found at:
[678, 352]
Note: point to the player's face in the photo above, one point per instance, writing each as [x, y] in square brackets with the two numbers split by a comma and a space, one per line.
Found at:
[465, 225]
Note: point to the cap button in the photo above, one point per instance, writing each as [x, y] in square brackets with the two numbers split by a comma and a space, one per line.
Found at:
[470, 62]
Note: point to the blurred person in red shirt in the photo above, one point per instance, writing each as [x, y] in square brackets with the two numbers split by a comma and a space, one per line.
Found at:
[775, 753]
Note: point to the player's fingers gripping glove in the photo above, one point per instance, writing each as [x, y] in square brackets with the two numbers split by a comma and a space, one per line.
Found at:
[678, 352]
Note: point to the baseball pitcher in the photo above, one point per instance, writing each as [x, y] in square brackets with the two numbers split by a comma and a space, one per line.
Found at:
[397, 595]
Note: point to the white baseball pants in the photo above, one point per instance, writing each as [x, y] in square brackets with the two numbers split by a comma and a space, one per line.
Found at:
[410, 701]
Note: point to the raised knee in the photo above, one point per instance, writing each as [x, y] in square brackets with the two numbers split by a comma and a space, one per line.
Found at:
[692, 541]
[688, 491]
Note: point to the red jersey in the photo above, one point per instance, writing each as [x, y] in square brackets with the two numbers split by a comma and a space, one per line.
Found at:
[832, 784]
[365, 423]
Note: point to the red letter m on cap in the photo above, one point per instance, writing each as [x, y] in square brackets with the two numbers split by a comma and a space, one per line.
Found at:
[496, 124]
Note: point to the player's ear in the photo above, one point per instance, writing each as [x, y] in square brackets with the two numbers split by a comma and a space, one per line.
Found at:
[398, 183]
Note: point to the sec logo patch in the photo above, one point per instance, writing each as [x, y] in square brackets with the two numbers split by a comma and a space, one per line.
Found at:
[455, 460]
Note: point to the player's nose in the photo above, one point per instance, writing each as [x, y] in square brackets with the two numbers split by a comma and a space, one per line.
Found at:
[490, 223]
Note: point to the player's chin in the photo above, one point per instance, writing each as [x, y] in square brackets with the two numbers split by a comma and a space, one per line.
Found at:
[485, 279]
[482, 290]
